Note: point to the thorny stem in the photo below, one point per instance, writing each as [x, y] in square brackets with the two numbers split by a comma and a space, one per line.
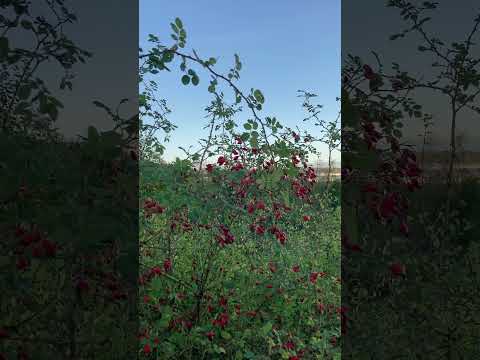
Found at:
[207, 146]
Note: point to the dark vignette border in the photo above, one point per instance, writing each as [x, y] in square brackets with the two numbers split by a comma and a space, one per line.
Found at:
[410, 189]
[69, 179]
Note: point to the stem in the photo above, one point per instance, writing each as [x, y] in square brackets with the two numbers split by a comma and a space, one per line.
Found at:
[207, 146]
[452, 145]
[423, 147]
[329, 166]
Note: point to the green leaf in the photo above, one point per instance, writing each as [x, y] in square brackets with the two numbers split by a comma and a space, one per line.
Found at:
[259, 96]
[195, 80]
[179, 23]
[249, 355]
[167, 56]
[245, 136]
[229, 125]
[286, 198]
[230, 285]
[266, 329]
[226, 335]
[292, 171]
[174, 28]
[247, 126]
[238, 64]
[167, 314]
[185, 79]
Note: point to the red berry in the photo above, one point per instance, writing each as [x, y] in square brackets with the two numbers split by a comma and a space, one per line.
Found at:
[210, 335]
[397, 269]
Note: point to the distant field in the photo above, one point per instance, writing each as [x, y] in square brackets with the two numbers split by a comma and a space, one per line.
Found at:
[438, 171]
[323, 171]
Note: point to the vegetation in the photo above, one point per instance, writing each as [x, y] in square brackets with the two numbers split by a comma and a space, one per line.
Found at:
[225, 276]
[240, 247]
[243, 252]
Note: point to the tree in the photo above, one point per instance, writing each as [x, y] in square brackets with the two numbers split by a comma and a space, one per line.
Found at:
[27, 105]
[458, 78]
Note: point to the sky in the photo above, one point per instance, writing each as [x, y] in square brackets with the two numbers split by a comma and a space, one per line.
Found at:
[98, 31]
[284, 46]
[367, 28]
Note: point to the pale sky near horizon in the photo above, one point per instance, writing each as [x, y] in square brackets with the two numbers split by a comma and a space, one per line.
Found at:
[284, 46]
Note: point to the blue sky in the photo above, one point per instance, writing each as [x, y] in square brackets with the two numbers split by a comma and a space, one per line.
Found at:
[284, 46]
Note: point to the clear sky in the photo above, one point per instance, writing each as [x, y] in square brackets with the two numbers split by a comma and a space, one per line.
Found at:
[284, 46]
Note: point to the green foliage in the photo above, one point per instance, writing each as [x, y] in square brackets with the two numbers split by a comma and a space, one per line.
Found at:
[250, 292]
[285, 302]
